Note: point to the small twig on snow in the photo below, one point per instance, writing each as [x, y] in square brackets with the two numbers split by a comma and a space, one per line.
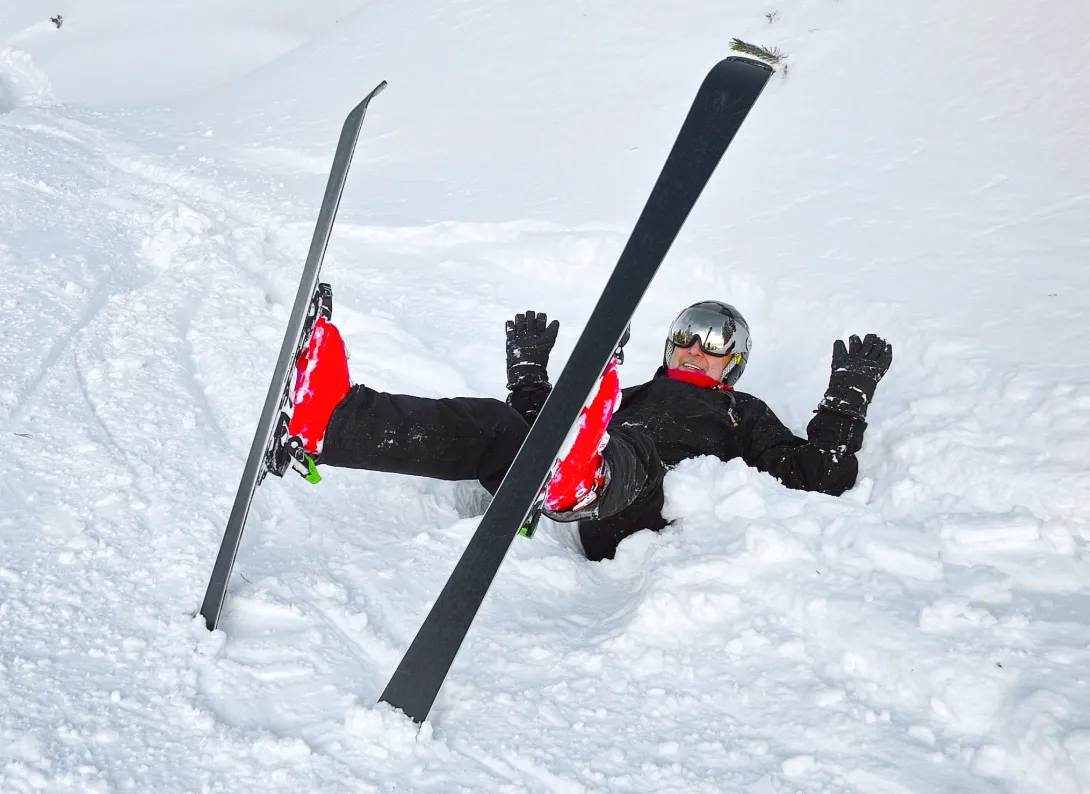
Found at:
[766, 54]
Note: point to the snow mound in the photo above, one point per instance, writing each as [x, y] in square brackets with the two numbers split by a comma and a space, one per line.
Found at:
[21, 82]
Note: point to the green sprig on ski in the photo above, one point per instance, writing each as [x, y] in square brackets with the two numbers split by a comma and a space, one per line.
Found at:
[773, 55]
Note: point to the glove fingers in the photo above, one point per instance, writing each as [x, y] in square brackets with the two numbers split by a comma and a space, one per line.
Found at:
[509, 327]
[879, 350]
[550, 332]
[855, 345]
[840, 352]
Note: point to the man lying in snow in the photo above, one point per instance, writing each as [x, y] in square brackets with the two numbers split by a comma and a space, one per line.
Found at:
[611, 478]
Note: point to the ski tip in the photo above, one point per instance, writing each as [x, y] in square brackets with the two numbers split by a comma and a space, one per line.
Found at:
[361, 108]
[738, 73]
[378, 89]
[745, 59]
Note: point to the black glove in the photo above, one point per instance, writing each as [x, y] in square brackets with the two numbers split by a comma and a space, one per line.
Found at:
[857, 368]
[530, 339]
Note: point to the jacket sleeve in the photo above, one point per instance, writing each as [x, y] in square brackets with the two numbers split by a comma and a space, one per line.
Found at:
[811, 464]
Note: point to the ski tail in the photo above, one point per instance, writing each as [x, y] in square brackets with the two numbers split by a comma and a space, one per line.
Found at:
[721, 105]
[255, 468]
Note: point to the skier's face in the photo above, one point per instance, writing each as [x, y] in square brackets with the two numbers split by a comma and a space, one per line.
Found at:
[695, 358]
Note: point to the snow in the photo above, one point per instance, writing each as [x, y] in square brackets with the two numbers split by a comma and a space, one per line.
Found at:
[917, 172]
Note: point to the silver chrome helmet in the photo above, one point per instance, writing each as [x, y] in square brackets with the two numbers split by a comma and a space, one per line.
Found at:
[721, 330]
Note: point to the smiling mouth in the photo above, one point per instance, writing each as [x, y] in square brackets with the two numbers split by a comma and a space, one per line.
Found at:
[687, 365]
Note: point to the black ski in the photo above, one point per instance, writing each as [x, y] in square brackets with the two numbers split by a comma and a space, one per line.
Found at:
[721, 105]
[271, 451]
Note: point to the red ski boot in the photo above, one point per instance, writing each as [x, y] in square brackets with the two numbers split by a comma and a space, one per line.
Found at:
[321, 382]
[580, 475]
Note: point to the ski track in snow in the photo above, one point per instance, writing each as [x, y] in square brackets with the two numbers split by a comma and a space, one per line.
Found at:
[927, 632]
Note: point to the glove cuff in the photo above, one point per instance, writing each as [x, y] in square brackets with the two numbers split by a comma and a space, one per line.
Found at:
[849, 393]
[853, 406]
[836, 431]
[528, 400]
[526, 374]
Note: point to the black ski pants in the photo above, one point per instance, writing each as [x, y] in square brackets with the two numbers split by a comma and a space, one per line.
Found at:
[467, 438]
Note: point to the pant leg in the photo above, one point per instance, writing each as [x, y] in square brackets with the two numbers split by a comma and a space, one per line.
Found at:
[461, 438]
[467, 438]
[601, 536]
[632, 500]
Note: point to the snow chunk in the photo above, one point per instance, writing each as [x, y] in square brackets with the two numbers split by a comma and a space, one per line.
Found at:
[384, 731]
[799, 765]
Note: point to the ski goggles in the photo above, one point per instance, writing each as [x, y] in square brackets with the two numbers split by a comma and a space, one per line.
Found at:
[711, 329]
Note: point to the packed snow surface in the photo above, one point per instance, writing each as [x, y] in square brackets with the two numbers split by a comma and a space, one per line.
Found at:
[914, 169]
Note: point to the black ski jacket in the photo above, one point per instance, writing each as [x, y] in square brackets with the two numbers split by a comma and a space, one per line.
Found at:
[686, 421]
[659, 424]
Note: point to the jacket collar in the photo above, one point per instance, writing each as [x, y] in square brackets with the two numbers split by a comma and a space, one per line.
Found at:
[698, 379]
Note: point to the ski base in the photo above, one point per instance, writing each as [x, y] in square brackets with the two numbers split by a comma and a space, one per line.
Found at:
[270, 436]
[721, 105]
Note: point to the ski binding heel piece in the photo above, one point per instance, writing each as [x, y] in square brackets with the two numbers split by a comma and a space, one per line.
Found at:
[301, 462]
[287, 452]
